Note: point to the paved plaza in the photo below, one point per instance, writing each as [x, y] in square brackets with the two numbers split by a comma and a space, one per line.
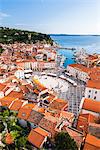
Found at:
[74, 95]
[65, 90]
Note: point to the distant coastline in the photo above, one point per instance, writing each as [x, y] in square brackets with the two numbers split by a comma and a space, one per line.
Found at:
[73, 35]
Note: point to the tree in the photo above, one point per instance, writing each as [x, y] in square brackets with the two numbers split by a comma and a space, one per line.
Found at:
[12, 129]
[8, 35]
[49, 144]
[21, 142]
[2, 127]
[63, 141]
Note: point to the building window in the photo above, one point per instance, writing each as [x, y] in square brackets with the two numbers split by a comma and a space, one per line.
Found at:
[89, 96]
[95, 92]
[94, 97]
[89, 91]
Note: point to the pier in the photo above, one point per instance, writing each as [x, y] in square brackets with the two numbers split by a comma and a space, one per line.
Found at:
[67, 48]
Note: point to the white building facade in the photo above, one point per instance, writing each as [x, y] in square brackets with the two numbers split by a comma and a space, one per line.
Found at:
[78, 73]
[92, 93]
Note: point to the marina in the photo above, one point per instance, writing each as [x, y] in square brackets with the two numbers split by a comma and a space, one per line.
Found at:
[67, 48]
[89, 43]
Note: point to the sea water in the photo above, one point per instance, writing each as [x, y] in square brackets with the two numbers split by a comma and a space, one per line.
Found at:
[91, 43]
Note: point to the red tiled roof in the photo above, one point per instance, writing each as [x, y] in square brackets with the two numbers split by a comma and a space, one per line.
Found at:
[29, 86]
[81, 67]
[92, 140]
[35, 117]
[24, 89]
[94, 129]
[9, 139]
[24, 113]
[2, 86]
[37, 137]
[6, 101]
[93, 84]
[48, 124]
[16, 105]
[68, 115]
[92, 57]
[16, 94]
[29, 106]
[58, 104]
[89, 117]
[75, 135]
[84, 120]
[36, 91]
[91, 105]
[51, 97]
[41, 110]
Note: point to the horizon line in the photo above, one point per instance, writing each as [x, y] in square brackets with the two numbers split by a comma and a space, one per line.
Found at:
[66, 34]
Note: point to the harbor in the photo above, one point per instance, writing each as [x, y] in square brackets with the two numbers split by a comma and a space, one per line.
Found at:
[90, 43]
[67, 48]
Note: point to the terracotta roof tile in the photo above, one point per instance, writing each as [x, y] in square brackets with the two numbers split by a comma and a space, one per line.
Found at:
[91, 105]
[81, 67]
[29, 86]
[92, 57]
[35, 117]
[93, 84]
[24, 89]
[48, 124]
[36, 91]
[51, 97]
[2, 86]
[41, 110]
[92, 140]
[37, 137]
[67, 115]
[9, 138]
[24, 113]
[94, 129]
[16, 105]
[41, 131]
[29, 106]
[6, 101]
[89, 117]
[58, 104]
[95, 74]
[16, 94]
[5, 89]
[84, 120]
[75, 135]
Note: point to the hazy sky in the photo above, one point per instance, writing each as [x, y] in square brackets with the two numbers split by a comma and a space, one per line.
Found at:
[52, 16]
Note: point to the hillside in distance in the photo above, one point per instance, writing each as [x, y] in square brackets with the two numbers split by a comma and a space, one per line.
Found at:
[9, 35]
